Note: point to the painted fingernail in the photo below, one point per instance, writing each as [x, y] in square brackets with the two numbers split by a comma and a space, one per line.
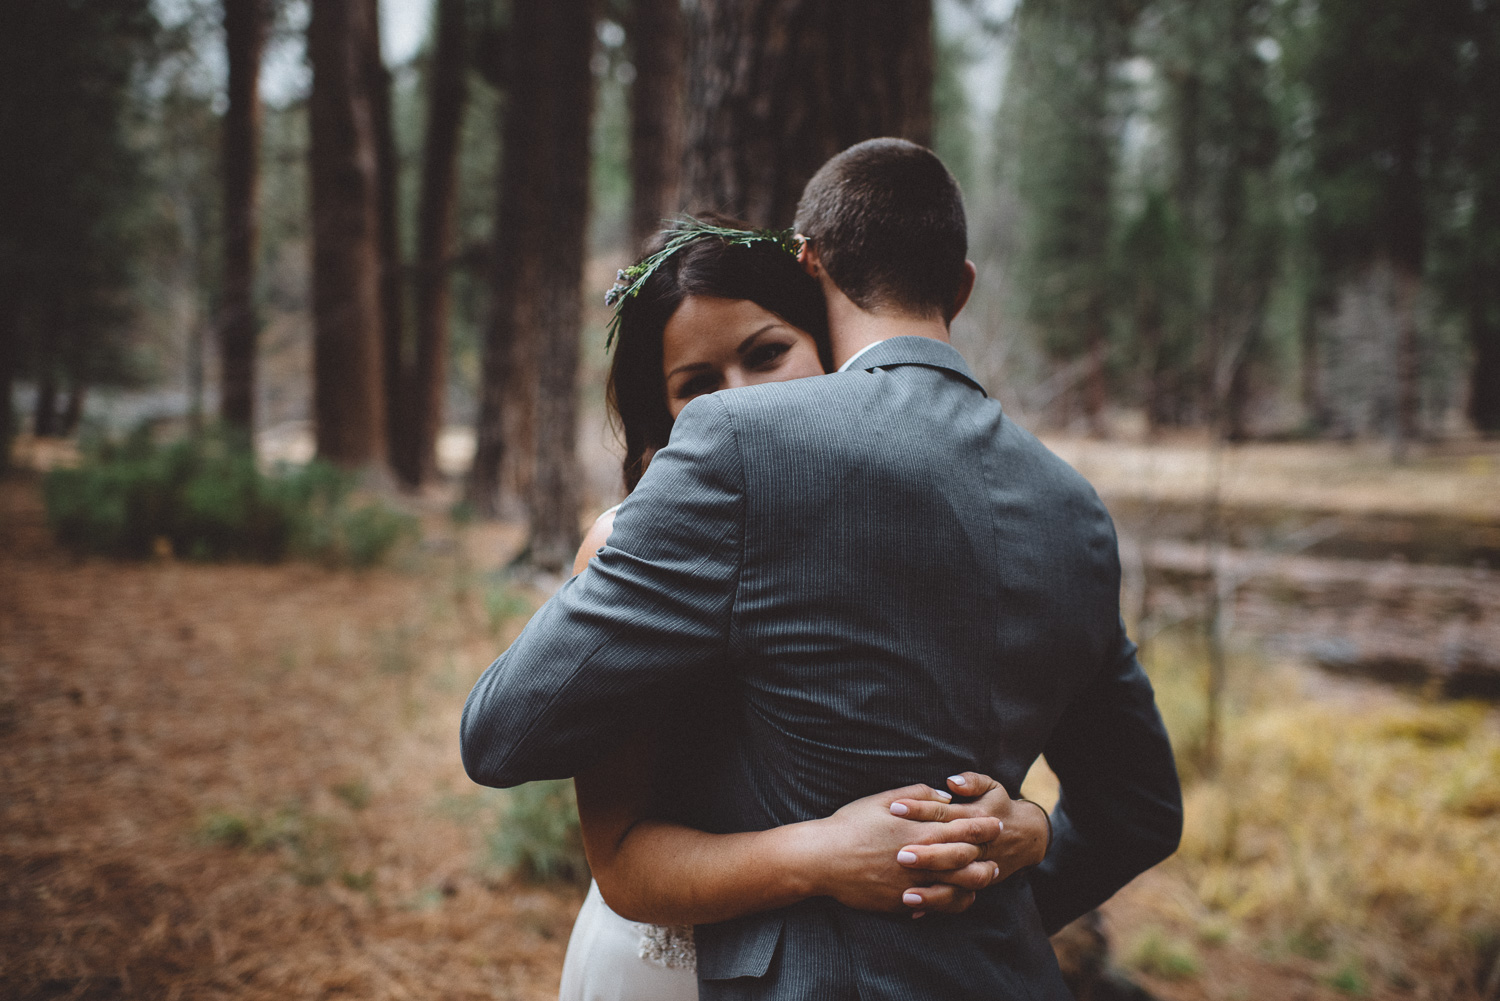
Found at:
[900, 809]
[958, 780]
[911, 899]
[947, 797]
[1001, 823]
[908, 857]
[917, 914]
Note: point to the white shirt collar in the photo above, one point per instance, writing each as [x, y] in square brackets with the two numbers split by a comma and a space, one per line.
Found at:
[855, 357]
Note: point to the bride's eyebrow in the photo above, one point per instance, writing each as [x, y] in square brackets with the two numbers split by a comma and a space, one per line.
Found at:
[749, 342]
[692, 366]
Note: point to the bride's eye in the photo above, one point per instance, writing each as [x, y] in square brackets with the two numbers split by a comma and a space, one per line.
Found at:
[766, 354]
[707, 382]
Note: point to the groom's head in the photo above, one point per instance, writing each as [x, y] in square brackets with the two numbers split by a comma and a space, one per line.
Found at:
[886, 221]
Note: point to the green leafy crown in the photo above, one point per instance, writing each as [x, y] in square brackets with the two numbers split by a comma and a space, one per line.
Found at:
[685, 230]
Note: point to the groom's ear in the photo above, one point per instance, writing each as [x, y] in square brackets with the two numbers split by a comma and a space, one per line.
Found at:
[807, 256]
[965, 288]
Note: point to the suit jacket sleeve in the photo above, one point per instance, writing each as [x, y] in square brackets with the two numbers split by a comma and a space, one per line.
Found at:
[648, 615]
[1120, 811]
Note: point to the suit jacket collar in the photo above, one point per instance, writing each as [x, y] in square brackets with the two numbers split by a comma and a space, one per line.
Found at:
[915, 351]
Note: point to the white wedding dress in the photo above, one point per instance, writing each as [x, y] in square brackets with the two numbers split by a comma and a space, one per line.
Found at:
[613, 959]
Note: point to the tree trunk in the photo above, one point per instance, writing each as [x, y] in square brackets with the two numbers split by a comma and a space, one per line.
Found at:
[447, 93]
[781, 85]
[10, 337]
[503, 426]
[347, 381]
[44, 412]
[1313, 402]
[656, 33]
[44, 415]
[396, 358]
[1484, 377]
[1407, 221]
[558, 319]
[244, 39]
[1150, 325]
[1408, 364]
[543, 211]
[1096, 390]
[195, 376]
[72, 414]
[1237, 402]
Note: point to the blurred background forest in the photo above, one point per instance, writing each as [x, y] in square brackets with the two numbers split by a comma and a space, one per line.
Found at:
[324, 279]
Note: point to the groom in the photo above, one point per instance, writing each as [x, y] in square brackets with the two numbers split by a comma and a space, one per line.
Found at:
[895, 583]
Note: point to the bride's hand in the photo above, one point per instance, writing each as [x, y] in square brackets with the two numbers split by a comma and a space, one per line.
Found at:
[853, 854]
[1022, 841]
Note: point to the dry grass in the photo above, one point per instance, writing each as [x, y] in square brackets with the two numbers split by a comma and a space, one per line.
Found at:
[1352, 835]
[1459, 479]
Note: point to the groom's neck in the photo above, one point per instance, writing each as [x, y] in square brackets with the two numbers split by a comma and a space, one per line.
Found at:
[851, 329]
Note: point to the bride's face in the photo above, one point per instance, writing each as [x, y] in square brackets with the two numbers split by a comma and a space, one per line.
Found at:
[711, 344]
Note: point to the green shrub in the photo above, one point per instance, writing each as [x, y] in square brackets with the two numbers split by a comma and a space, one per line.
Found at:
[538, 834]
[205, 497]
[1159, 956]
[1350, 979]
[221, 827]
[308, 844]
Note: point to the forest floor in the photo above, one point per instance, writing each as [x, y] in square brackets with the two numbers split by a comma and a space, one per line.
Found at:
[230, 781]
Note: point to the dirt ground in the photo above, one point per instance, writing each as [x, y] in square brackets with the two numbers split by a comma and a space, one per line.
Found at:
[147, 710]
[243, 782]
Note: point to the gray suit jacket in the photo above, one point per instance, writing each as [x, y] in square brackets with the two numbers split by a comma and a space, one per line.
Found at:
[841, 585]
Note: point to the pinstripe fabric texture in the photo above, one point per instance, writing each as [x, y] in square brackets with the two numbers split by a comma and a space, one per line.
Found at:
[829, 587]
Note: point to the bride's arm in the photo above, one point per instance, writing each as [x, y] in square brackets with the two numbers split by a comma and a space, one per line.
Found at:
[654, 870]
[665, 873]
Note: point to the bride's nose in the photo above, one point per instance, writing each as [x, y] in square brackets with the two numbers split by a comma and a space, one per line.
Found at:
[736, 377]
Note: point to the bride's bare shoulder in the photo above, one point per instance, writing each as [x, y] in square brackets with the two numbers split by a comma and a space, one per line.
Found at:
[594, 538]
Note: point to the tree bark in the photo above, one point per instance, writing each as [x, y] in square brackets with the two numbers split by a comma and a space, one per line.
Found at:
[558, 320]
[48, 361]
[1096, 389]
[1408, 364]
[1484, 318]
[781, 85]
[1407, 234]
[347, 380]
[1484, 378]
[1314, 405]
[1483, 293]
[447, 92]
[543, 211]
[656, 33]
[396, 360]
[44, 414]
[72, 414]
[244, 40]
[10, 336]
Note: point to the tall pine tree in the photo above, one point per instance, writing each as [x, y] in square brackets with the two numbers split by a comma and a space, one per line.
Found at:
[348, 391]
[1059, 137]
[782, 85]
[531, 346]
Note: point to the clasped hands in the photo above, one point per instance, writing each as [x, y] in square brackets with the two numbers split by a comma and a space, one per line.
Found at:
[927, 850]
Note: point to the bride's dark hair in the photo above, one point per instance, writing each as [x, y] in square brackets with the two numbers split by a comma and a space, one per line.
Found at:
[761, 272]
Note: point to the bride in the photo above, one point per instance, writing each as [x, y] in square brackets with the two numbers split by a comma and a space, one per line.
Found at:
[718, 307]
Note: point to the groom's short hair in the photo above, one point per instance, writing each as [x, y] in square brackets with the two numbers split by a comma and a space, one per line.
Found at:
[887, 220]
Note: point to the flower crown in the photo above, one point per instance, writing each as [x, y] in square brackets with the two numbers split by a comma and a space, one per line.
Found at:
[685, 230]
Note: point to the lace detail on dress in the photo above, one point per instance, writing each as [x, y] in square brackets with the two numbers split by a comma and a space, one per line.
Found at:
[669, 946]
